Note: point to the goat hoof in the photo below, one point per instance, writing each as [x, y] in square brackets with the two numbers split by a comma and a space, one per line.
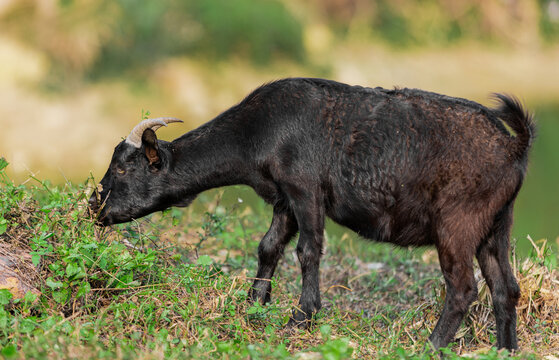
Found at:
[298, 324]
[299, 320]
[254, 297]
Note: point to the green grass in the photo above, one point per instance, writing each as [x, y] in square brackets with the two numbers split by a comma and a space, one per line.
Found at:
[175, 285]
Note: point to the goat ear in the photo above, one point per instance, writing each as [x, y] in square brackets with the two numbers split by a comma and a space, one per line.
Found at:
[149, 140]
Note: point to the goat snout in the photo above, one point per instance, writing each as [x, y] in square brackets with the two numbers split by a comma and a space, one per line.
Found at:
[93, 204]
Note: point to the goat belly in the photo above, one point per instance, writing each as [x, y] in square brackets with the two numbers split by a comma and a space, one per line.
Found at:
[394, 224]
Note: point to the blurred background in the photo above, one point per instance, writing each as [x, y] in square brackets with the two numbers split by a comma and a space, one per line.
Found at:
[76, 75]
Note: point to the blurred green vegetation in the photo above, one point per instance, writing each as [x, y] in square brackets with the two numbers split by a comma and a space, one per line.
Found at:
[436, 24]
[428, 22]
[106, 38]
[215, 28]
[549, 20]
[96, 38]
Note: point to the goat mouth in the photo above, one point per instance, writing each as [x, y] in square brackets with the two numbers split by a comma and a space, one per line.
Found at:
[98, 218]
[98, 214]
[103, 221]
[97, 208]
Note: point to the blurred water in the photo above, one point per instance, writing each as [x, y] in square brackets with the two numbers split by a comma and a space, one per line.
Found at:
[537, 205]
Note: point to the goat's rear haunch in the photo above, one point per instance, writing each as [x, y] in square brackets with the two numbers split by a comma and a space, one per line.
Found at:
[407, 167]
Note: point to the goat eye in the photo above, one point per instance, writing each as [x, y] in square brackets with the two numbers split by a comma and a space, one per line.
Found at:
[120, 171]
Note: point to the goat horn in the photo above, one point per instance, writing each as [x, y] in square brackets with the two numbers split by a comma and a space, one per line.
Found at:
[135, 137]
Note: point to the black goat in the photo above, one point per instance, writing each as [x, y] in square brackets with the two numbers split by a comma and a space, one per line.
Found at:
[407, 167]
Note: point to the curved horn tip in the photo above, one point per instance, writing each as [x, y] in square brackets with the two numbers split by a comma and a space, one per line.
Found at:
[165, 122]
[168, 120]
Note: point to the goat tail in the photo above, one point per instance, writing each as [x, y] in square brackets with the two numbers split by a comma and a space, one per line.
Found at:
[513, 114]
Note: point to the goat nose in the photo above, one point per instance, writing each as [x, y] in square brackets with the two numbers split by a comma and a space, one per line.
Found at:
[93, 203]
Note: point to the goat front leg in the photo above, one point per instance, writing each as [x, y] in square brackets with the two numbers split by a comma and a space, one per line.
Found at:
[310, 217]
[270, 250]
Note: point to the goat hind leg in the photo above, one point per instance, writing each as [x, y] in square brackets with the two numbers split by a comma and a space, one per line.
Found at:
[456, 244]
[492, 256]
[270, 250]
[461, 291]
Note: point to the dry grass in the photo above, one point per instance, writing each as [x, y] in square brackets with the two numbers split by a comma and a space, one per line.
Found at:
[17, 272]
